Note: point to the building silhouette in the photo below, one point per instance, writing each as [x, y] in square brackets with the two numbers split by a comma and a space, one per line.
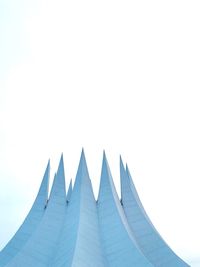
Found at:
[74, 230]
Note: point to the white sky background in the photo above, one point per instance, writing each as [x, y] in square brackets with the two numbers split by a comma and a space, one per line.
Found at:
[116, 75]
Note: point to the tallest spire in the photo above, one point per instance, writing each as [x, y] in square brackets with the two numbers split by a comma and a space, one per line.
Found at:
[82, 172]
[79, 244]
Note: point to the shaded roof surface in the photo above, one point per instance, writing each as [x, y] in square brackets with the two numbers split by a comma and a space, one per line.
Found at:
[74, 229]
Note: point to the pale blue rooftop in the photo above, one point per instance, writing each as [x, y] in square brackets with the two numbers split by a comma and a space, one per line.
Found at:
[75, 230]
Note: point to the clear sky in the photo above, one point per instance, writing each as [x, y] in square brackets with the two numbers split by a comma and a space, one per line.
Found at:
[116, 75]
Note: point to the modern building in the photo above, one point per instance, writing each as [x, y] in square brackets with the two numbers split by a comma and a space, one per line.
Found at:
[74, 230]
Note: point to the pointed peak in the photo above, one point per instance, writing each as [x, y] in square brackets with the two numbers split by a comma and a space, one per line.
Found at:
[127, 170]
[48, 163]
[123, 173]
[44, 187]
[82, 162]
[106, 177]
[121, 163]
[106, 167]
[105, 161]
[129, 174]
[124, 179]
[61, 164]
[82, 171]
[61, 157]
[82, 151]
[107, 188]
[129, 177]
[47, 170]
[82, 158]
[58, 186]
[105, 170]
